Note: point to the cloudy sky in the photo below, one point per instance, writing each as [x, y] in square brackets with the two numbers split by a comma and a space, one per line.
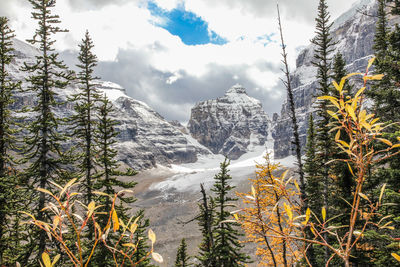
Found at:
[174, 53]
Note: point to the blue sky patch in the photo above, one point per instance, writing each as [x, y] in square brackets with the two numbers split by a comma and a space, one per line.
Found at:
[190, 28]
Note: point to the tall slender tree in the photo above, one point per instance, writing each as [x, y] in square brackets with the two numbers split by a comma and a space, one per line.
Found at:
[324, 46]
[227, 247]
[8, 179]
[109, 176]
[182, 257]
[43, 141]
[206, 220]
[84, 121]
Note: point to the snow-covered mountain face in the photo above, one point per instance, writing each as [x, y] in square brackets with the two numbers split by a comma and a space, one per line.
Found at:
[354, 33]
[229, 124]
[145, 138]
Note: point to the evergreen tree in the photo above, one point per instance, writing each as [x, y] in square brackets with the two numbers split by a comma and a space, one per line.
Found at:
[386, 97]
[43, 140]
[9, 197]
[322, 60]
[84, 121]
[182, 259]
[227, 248]
[206, 222]
[108, 176]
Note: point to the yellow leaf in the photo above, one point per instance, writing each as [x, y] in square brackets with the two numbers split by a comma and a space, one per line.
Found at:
[397, 257]
[55, 260]
[297, 185]
[374, 77]
[288, 211]
[350, 111]
[360, 92]
[330, 98]
[46, 259]
[385, 141]
[396, 146]
[69, 184]
[133, 227]
[308, 212]
[45, 191]
[253, 191]
[335, 84]
[363, 196]
[343, 143]
[370, 62]
[157, 257]
[91, 207]
[115, 221]
[333, 114]
[337, 137]
[351, 170]
[323, 213]
[381, 194]
[351, 75]
[236, 216]
[152, 236]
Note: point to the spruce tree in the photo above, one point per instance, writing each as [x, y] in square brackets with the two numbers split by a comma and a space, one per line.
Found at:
[227, 247]
[84, 120]
[8, 178]
[182, 258]
[43, 150]
[322, 61]
[206, 222]
[109, 176]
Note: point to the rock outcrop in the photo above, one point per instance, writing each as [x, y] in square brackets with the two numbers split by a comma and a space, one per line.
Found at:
[229, 124]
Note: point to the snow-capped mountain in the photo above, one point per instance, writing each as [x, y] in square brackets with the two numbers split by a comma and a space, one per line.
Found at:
[354, 33]
[145, 138]
[229, 124]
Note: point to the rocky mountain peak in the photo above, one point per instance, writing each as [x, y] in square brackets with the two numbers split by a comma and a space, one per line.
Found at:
[236, 89]
[229, 124]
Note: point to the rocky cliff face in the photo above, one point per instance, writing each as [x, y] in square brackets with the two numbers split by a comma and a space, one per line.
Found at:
[229, 124]
[354, 34]
[145, 137]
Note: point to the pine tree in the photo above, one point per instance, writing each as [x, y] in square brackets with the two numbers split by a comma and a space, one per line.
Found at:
[84, 120]
[8, 180]
[108, 176]
[206, 222]
[182, 259]
[322, 60]
[43, 141]
[227, 247]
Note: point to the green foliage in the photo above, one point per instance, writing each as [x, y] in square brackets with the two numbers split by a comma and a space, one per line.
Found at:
[206, 220]
[9, 182]
[43, 140]
[108, 178]
[324, 46]
[227, 247]
[182, 258]
[84, 123]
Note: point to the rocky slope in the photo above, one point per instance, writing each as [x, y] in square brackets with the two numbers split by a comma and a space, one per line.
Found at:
[145, 138]
[229, 124]
[354, 33]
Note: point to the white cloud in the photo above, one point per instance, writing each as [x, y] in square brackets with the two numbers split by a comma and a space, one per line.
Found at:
[121, 25]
